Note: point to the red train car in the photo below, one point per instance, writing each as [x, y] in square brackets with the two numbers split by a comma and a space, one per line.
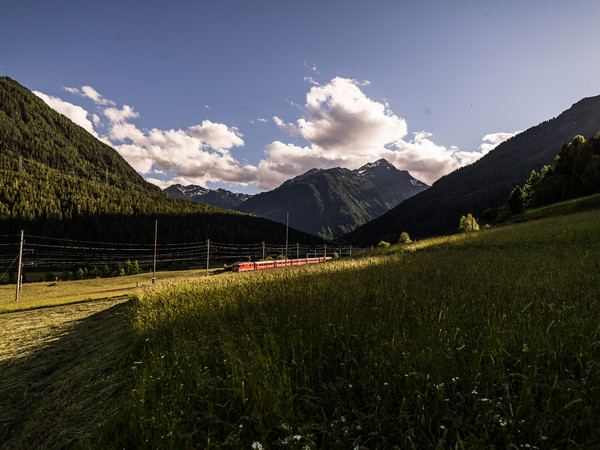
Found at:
[261, 265]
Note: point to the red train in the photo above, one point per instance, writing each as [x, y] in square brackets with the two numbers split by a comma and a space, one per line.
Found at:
[260, 265]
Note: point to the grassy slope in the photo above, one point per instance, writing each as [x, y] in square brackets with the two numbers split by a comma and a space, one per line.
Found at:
[484, 339]
[476, 340]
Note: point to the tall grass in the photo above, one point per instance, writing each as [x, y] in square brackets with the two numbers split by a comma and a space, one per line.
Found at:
[491, 339]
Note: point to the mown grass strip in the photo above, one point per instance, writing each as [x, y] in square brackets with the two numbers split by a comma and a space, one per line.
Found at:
[61, 373]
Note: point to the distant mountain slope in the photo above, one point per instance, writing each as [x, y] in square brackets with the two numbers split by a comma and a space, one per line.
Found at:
[333, 201]
[221, 198]
[485, 183]
[53, 182]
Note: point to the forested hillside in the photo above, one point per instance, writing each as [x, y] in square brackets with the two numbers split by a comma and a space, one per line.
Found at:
[484, 184]
[58, 180]
[32, 130]
[575, 173]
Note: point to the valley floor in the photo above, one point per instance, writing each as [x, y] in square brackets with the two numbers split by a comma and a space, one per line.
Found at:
[474, 341]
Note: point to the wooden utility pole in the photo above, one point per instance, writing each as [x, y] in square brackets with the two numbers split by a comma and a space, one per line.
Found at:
[207, 255]
[350, 250]
[297, 250]
[263, 242]
[325, 250]
[19, 281]
[287, 219]
[155, 239]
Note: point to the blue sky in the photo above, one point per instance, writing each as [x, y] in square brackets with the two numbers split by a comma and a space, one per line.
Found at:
[245, 95]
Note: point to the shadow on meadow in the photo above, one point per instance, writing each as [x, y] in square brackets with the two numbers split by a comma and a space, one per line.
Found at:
[59, 393]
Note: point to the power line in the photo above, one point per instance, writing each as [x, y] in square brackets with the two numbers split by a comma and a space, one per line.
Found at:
[44, 251]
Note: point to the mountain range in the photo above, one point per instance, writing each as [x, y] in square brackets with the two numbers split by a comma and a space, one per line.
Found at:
[330, 202]
[483, 184]
[221, 198]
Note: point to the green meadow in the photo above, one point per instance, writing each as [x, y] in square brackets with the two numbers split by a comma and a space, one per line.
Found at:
[489, 339]
[470, 341]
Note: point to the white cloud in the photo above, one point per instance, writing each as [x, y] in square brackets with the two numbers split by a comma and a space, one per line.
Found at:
[116, 115]
[217, 135]
[72, 90]
[491, 141]
[127, 131]
[311, 80]
[91, 93]
[136, 156]
[341, 119]
[198, 154]
[288, 127]
[76, 113]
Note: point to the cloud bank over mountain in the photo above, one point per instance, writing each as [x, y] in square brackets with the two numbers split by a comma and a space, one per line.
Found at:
[340, 125]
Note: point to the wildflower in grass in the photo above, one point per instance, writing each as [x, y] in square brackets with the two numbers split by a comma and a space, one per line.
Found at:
[458, 397]
[257, 446]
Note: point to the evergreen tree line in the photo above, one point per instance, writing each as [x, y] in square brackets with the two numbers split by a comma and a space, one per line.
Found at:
[105, 271]
[81, 272]
[47, 203]
[575, 173]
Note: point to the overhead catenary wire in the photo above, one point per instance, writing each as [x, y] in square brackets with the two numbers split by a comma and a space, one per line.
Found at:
[46, 251]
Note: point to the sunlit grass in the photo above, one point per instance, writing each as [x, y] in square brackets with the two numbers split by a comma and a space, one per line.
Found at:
[44, 294]
[476, 340]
